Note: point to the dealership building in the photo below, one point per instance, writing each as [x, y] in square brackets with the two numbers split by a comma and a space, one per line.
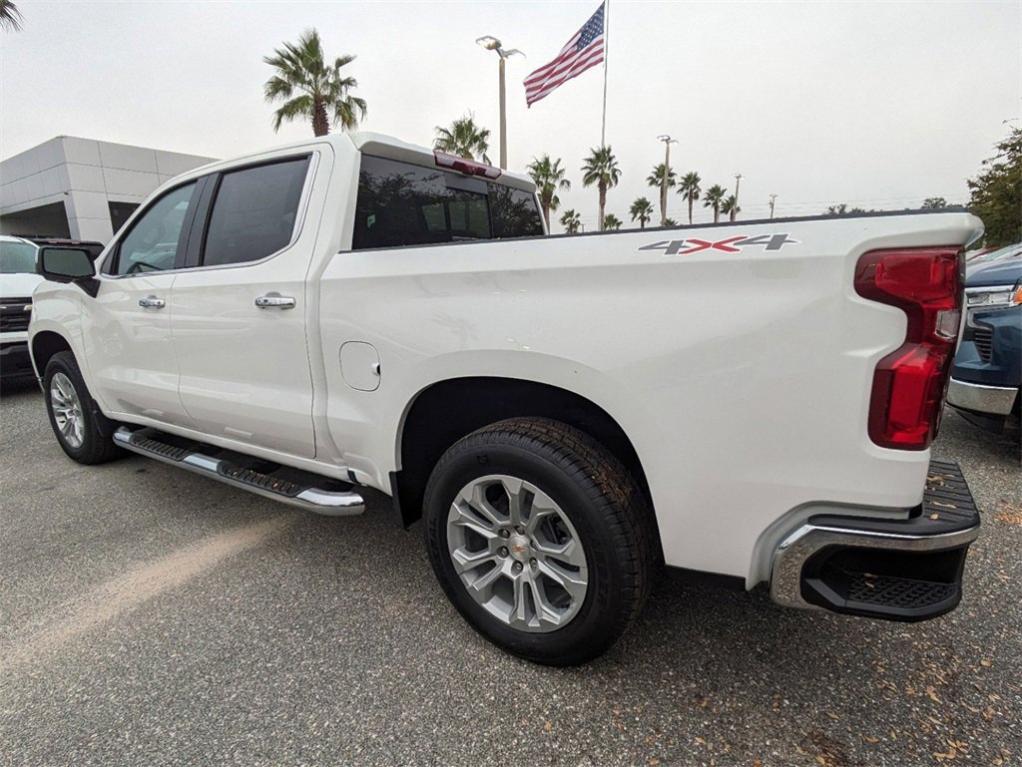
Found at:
[82, 188]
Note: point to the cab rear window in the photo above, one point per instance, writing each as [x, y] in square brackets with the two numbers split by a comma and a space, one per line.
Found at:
[403, 204]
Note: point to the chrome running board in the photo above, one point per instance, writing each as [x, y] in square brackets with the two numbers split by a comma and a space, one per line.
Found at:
[305, 490]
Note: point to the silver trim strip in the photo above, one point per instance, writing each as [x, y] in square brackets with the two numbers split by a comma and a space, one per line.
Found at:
[325, 502]
[997, 400]
[989, 289]
[793, 552]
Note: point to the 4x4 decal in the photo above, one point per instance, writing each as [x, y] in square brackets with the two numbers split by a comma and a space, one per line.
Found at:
[727, 245]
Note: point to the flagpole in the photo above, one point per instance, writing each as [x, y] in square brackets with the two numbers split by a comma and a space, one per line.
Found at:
[606, 58]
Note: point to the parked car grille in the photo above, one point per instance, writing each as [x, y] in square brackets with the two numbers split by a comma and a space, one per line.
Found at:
[984, 339]
[13, 316]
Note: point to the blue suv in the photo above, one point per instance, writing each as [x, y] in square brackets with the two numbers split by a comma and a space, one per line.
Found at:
[987, 372]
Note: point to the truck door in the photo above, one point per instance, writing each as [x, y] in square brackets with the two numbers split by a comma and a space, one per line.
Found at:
[127, 327]
[239, 316]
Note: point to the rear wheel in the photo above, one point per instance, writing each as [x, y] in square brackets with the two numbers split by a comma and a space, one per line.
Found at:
[82, 431]
[540, 538]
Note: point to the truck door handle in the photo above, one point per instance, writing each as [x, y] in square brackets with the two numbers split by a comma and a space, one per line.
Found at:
[275, 301]
[151, 302]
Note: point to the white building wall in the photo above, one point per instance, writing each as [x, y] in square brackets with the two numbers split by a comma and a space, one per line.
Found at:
[85, 175]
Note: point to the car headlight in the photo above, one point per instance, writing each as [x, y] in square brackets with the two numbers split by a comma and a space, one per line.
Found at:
[993, 298]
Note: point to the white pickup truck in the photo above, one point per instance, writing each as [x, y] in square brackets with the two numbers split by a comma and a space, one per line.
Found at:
[566, 414]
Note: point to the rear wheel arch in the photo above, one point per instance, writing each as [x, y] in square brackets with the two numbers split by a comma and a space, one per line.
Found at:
[448, 410]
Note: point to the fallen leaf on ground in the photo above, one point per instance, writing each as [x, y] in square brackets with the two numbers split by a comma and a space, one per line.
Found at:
[1009, 518]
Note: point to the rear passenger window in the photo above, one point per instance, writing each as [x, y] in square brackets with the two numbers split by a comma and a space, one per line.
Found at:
[254, 212]
[403, 204]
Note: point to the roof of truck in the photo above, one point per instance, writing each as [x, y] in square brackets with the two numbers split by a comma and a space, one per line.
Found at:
[378, 144]
[14, 238]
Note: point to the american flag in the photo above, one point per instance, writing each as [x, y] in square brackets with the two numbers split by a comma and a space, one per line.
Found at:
[584, 50]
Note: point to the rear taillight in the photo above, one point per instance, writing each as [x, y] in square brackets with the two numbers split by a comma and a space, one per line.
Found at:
[909, 384]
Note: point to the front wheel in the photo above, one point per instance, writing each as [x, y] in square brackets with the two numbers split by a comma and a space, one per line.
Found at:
[540, 538]
[82, 431]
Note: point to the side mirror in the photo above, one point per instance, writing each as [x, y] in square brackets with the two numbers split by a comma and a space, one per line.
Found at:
[65, 265]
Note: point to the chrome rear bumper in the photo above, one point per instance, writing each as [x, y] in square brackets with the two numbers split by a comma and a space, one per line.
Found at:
[895, 569]
[996, 400]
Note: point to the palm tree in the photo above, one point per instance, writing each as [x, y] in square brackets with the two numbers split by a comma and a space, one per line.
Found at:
[548, 177]
[464, 138]
[10, 16]
[311, 88]
[642, 209]
[610, 221]
[571, 221]
[656, 180]
[689, 190]
[730, 206]
[713, 199]
[670, 222]
[601, 168]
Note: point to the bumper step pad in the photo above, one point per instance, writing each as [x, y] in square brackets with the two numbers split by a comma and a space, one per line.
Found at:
[895, 569]
[899, 593]
[304, 489]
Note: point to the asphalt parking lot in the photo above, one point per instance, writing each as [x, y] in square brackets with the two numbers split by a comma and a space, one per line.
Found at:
[151, 617]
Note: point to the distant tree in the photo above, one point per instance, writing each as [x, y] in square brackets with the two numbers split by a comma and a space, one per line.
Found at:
[997, 192]
[549, 177]
[571, 221]
[601, 168]
[656, 180]
[670, 222]
[641, 210]
[714, 199]
[311, 88]
[934, 203]
[689, 190]
[611, 222]
[464, 138]
[10, 16]
[837, 210]
[730, 207]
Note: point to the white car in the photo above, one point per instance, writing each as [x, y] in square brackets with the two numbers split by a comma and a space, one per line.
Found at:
[18, 279]
[564, 414]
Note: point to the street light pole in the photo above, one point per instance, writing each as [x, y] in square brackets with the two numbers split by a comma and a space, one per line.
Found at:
[773, 198]
[503, 117]
[667, 172]
[493, 44]
[734, 210]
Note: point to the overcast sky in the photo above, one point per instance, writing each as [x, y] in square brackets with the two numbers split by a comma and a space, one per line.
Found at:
[873, 104]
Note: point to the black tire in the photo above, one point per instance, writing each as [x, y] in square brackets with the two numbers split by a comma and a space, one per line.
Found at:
[97, 439]
[601, 500]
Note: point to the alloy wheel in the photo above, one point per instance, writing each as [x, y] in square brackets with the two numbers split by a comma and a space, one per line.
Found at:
[517, 553]
[67, 410]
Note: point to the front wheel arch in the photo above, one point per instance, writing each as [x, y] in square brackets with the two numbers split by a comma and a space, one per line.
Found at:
[44, 345]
